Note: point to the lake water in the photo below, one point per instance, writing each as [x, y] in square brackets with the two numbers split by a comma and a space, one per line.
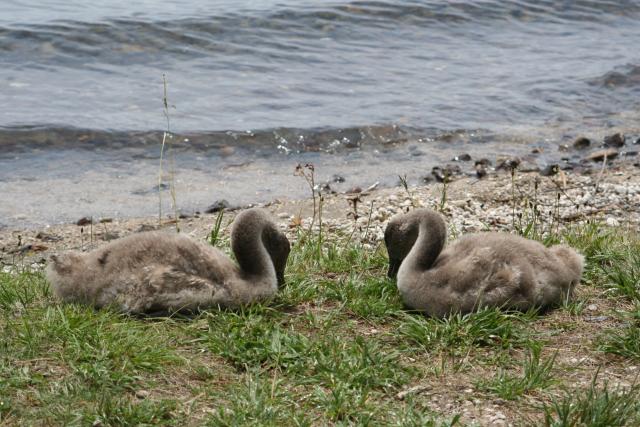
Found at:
[366, 89]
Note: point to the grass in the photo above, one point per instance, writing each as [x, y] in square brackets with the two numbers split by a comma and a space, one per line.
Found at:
[595, 406]
[335, 347]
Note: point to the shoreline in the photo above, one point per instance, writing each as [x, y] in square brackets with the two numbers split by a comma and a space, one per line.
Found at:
[609, 193]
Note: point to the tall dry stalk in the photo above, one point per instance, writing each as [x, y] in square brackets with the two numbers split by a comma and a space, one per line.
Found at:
[167, 136]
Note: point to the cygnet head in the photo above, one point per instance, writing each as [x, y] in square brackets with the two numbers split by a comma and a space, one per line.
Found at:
[253, 231]
[402, 232]
[278, 247]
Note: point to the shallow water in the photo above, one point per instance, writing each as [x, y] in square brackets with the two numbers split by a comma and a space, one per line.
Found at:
[365, 89]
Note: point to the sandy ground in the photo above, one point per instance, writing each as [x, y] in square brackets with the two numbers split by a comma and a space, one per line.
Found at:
[610, 194]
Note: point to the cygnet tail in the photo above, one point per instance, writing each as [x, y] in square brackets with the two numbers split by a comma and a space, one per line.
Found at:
[60, 273]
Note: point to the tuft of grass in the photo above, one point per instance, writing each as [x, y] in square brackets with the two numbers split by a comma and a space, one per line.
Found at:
[624, 341]
[595, 406]
[489, 327]
[215, 231]
[536, 374]
[623, 276]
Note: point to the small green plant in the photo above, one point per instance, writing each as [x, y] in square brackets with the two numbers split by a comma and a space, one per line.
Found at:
[215, 231]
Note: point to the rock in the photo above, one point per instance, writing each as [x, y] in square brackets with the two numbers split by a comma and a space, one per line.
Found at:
[142, 394]
[325, 187]
[581, 143]
[612, 222]
[592, 307]
[563, 147]
[218, 206]
[537, 150]
[484, 162]
[508, 163]
[600, 155]
[337, 178]
[630, 153]
[481, 171]
[550, 170]
[106, 220]
[354, 190]
[445, 174]
[84, 221]
[145, 227]
[637, 141]
[427, 179]
[462, 158]
[48, 237]
[615, 140]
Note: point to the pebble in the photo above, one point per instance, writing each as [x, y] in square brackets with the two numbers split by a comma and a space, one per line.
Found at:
[462, 158]
[217, 206]
[581, 143]
[612, 222]
[550, 170]
[615, 140]
[84, 221]
[508, 163]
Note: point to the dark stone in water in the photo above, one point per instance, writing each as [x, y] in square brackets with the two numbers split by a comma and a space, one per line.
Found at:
[630, 153]
[84, 221]
[563, 147]
[615, 140]
[106, 220]
[581, 143]
[598, 156]
[146, 227]
[338, 178]
[637, 141]
[550, 170]
[217, 206]
[508, 163]
[462, 158]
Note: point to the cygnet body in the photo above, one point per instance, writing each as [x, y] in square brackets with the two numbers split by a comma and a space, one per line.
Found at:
[477, 270]
[158, 272]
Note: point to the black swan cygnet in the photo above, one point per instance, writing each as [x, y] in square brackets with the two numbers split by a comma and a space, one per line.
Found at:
[477, 270]
[158, 272]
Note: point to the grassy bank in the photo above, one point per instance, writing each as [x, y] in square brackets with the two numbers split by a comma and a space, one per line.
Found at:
[334, 347]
